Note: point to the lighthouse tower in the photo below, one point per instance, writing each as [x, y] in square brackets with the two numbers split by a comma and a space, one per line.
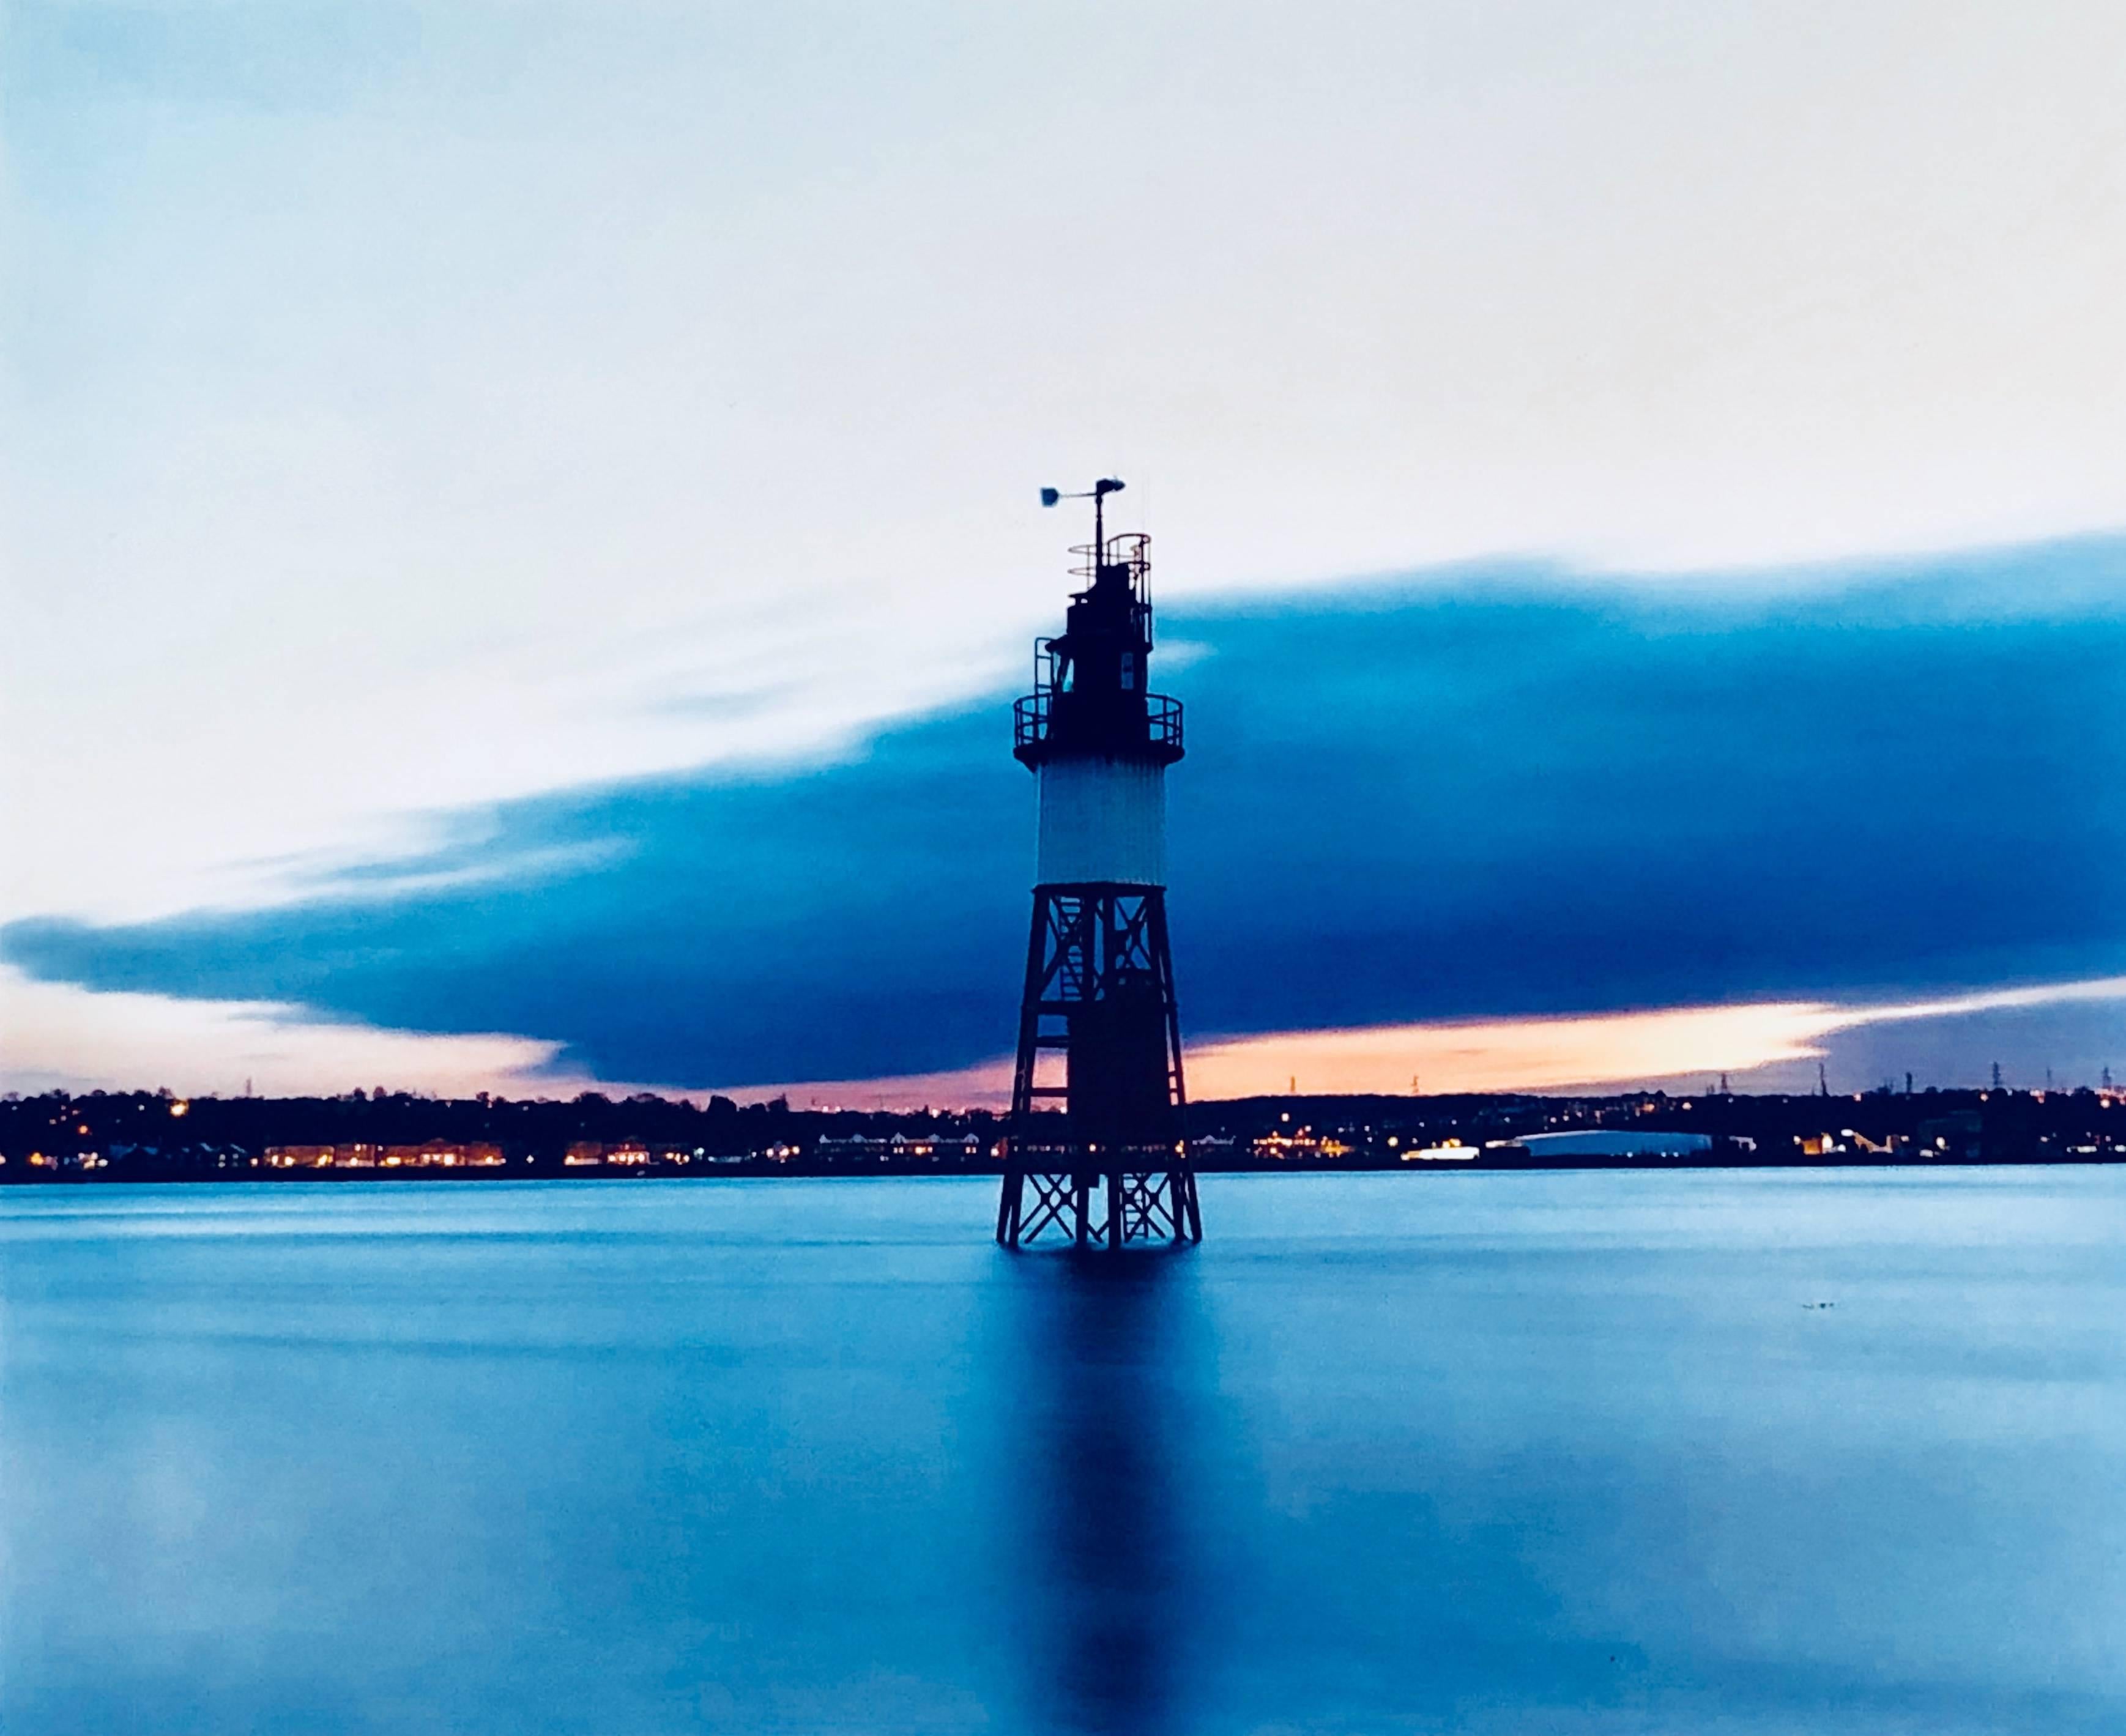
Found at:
[1095, 1153]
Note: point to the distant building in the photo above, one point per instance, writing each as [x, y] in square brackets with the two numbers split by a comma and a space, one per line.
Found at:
[323, 1156]
[900, 1148]
[630, 1153]
[1593, 1143]
[1452, 1152]
[434, 1154]
[1957, 1135]
[1302, 1145]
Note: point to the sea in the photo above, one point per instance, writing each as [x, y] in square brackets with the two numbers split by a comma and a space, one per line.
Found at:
[1693, 1452]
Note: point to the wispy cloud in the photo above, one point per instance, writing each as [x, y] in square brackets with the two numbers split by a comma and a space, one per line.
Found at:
[1591, 1049]
[56, 1034]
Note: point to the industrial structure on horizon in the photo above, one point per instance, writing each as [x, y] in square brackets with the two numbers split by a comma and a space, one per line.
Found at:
[1096, 1151]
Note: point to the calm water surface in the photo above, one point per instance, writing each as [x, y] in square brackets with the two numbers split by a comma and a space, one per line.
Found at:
[1557, 1453]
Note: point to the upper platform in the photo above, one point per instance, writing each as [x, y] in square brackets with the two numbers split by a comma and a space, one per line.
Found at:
[1089, 697]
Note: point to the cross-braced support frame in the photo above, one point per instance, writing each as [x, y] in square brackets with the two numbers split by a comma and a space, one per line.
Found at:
[1096, 1155]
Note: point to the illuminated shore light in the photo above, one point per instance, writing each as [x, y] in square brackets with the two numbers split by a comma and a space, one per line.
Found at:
[434, 1154]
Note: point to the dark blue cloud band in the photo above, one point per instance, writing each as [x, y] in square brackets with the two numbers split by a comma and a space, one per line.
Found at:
[1497, 794]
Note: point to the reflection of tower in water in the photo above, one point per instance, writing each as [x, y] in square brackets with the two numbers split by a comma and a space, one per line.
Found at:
[1110, 1167]
[1102, 1537]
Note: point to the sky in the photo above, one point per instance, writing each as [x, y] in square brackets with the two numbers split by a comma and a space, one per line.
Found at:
[519, 528]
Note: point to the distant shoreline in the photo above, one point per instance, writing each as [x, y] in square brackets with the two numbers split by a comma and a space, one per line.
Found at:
[58, 1139]
[15, 1175]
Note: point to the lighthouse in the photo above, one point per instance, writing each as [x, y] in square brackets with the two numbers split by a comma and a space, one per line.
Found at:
[1095, 1153]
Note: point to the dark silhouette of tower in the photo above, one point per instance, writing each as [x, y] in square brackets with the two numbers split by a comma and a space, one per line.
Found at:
[1095, 1152]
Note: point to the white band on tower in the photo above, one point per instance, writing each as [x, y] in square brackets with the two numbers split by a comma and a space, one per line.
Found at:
[1102, 820]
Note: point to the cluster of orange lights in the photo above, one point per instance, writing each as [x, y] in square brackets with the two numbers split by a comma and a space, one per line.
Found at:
[436, 1154]
[1301, 1143]
[586, 1154]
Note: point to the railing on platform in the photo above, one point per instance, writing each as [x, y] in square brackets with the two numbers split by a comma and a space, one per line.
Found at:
[1032, 715]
